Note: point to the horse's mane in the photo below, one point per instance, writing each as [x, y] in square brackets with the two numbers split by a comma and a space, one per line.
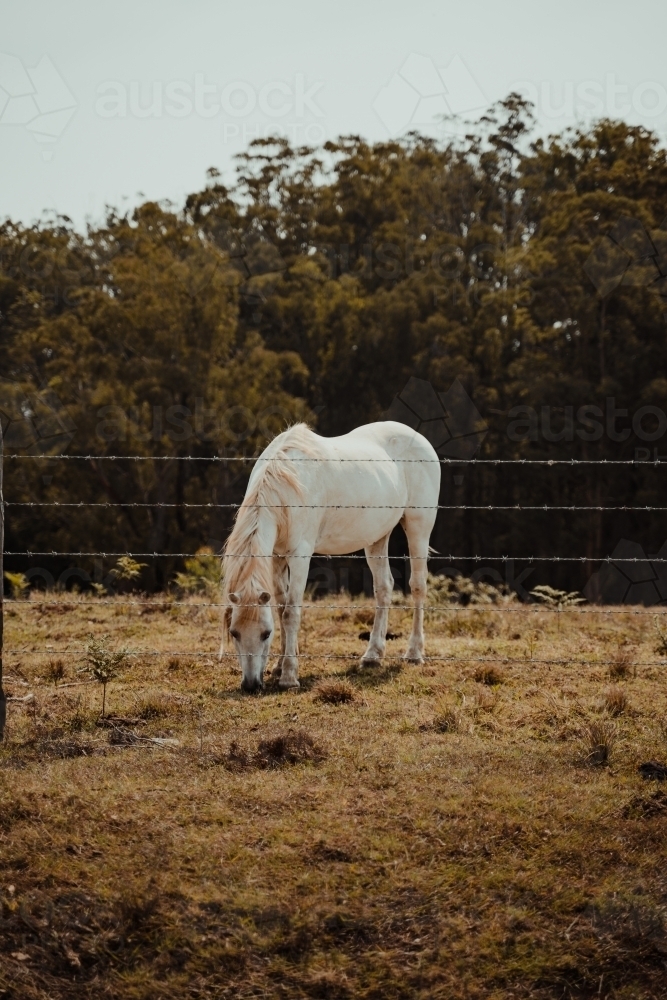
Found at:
[246, 569]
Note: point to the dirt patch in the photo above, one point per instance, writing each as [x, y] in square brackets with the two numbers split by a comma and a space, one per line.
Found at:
[643, 807]
[284, 750]
[323, 851]
[490, 674]
[334, 692]
[58, 746]
[652, 771]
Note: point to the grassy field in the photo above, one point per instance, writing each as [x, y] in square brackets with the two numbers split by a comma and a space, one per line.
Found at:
[474, 827]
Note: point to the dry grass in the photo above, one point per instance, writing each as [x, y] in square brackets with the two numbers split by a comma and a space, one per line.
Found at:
[598, 740]
[620, 667]
[432, 836]
[55, 671]
[616, 700]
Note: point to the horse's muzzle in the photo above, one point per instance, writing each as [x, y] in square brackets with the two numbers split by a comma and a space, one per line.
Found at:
[251, 687]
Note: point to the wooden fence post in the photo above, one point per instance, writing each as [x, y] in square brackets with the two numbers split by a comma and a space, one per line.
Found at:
[3, 700]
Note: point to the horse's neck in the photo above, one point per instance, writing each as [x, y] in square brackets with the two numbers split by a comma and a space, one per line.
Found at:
[264, 538]
[261, 544]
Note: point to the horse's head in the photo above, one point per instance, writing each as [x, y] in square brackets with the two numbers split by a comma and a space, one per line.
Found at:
[251, 627]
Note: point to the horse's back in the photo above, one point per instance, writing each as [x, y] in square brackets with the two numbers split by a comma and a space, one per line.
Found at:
[397, 454]
[353, 489]
[414, 457]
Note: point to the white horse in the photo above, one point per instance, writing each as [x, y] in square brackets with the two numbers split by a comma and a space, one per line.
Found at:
[308, 494]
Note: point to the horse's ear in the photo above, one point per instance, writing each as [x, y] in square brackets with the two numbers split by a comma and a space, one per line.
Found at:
[264, 597]
[234, 598]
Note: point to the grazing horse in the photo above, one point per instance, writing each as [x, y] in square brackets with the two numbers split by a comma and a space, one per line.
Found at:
[309, 494]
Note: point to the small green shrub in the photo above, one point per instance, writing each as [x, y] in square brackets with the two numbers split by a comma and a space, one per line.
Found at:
[203, 573]
[18, 583]
[459, 589]
[127, 569]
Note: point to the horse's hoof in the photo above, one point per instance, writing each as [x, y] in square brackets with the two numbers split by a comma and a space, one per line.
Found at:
[370, 662]
[413, 659]
[288, 685]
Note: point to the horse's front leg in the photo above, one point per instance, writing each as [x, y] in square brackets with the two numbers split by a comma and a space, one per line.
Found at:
[383, 585]
[291, 619]
[280, 585]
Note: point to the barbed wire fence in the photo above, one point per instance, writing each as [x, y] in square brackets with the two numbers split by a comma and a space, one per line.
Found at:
[450, 558]
[3, 697]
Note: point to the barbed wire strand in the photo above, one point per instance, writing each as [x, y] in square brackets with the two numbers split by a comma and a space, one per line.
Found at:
[350, 657]
[662, 460]
[320, 555]
[533, 608]
[336, 506]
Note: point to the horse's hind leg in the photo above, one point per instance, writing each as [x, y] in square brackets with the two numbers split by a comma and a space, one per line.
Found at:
[383, 585]
[418, 530]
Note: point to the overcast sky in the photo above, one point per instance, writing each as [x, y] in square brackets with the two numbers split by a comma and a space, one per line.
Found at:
[99, 102]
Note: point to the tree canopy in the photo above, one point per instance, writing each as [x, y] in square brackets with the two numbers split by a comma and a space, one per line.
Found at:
[531, 270]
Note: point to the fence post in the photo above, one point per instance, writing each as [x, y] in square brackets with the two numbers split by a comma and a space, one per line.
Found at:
[3, 700]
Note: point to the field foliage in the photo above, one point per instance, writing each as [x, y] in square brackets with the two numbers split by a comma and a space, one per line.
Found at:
[474, 827]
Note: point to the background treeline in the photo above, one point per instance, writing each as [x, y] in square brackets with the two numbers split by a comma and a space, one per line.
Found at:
[314, 289]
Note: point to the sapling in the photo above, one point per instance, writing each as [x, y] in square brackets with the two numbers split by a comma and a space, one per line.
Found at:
[557, 598]
[126, 571]
[102, 663]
